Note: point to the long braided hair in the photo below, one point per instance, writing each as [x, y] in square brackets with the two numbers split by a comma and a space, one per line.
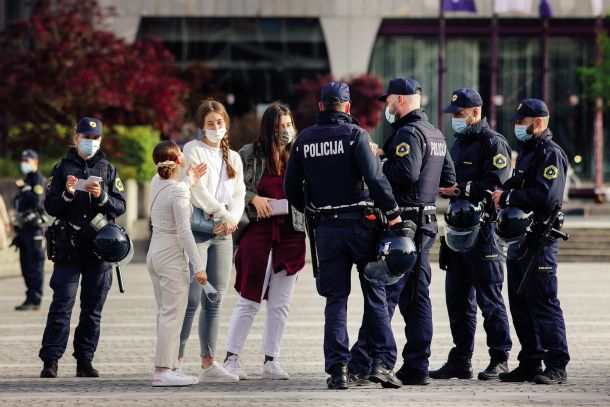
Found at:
[206, 107]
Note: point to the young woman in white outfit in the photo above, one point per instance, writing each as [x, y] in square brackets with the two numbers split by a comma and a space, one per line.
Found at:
[171, 243]
[220, 194]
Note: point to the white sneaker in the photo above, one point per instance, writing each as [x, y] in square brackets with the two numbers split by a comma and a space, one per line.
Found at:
[273, 370]
[170, 378]
[180, 372]
[216, 374]
[234, 366]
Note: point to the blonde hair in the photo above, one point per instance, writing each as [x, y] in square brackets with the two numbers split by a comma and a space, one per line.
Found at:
[206, 107]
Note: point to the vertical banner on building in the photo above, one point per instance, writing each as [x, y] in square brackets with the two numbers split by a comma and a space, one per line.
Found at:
[513, 6]
[459, 5]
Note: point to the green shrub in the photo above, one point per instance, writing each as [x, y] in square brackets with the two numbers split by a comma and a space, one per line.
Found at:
[130, 150]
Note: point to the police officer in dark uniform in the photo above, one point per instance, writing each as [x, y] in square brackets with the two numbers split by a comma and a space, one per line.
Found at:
[29, 226]
[416, 162]
[481, 158]
[335, 160]
[537, 185]
[75, 204]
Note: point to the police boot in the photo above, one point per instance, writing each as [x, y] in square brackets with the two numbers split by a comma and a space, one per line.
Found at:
[338, 377]
[521, 374]
[381, 374]
[411, 378]
[492, 371]
[27, 306]
[552, 375]
[50, 369]
[85, 369]
[461, 369]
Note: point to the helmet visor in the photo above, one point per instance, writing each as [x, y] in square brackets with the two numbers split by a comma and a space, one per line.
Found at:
[462, 240]
[510, 247]
[378, 273]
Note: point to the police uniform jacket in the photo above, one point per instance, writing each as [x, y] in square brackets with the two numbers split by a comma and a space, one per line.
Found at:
[481, 159]
[32, 194]
[80, 208]
[335, 158]
[416, 157]
[539, 177]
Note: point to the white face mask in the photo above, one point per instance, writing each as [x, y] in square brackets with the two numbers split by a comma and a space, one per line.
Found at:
[286, 136]
[215, 135]
[389, 116]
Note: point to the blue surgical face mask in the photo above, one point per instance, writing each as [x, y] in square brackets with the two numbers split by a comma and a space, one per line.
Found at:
[89, 146]
[26, 167]
[389, 116]
[459, 124]
[521, 132]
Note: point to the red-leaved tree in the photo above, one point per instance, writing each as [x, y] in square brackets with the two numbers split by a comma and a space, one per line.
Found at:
[60, 65]
[364, 90]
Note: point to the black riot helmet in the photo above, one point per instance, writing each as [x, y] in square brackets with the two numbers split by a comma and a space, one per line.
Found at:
[513, 225]
[396, 255]
[110, 242]
[463, 225]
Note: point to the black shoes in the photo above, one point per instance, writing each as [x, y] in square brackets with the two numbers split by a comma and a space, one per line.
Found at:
[411, 378]
[358, 380]
[338, 378]
[492, 371]
[520, 374]
[85, 369]
[49, 370]
[384, 376]
[552, 375]
[453, 368]
[27, 306]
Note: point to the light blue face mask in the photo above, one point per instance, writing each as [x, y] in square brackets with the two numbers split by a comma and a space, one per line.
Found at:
[89, 146]
[390, 117]
[26, 167]
[521, 132]
[459, 124]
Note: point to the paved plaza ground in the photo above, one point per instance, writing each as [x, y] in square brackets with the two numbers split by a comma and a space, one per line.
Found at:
[126, 350]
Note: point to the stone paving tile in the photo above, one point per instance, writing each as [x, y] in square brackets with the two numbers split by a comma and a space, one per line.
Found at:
[126, 352]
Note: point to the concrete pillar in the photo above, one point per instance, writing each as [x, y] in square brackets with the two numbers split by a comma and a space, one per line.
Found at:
[124, 27]
[349, 42]
[131, 206]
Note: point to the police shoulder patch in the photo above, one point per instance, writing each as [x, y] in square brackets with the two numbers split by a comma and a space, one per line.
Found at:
[403, 149]
[500, 161]
[118, 184]
[49, 182]
[550, 172]
[38, 189]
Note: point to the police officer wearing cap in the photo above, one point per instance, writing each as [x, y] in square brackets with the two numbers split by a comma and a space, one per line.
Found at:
[74, 198]
[343, 180]
[29, 225]
[537, 185]
[475, 274]
[416, 162]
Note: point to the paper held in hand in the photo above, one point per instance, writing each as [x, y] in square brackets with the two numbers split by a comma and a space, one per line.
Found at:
[279, 206]
[81, 184]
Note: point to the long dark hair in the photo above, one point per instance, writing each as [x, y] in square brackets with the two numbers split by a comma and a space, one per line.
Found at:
[269, 138]
[206, 107]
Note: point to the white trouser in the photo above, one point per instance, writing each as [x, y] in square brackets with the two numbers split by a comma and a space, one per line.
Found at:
[168, 268]
[280, 288]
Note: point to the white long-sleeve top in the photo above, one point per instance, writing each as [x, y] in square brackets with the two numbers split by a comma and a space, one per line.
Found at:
[222, 202]
[171, 213]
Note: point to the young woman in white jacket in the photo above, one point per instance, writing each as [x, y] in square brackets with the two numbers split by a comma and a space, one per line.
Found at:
[220, 194]
[172, 246]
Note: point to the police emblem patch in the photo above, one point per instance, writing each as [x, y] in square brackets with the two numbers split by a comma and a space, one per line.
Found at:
[118, 184]
[454, 98]
[550, 172]
[38, 189]
[403, 149]
[92, 124]
[500, 161]
[49, 182]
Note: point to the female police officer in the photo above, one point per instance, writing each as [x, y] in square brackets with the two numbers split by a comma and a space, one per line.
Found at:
[74, 204]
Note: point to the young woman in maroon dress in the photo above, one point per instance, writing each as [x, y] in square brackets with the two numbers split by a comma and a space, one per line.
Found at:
[272, 249]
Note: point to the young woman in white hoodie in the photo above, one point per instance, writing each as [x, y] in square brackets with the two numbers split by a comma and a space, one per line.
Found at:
[220, 194]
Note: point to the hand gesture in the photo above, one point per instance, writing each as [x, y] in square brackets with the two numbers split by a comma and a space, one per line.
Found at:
[395, 221]
[196, 172]
[94, 188]
[448, 191]
[495, 196]
[261, 204]
[70, 183]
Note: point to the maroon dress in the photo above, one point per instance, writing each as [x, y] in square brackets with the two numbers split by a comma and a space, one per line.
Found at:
[275, 233]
